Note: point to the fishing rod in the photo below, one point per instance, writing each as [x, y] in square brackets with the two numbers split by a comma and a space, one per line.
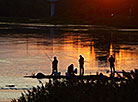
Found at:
[64, 54]
[46, 54]
[77, 59]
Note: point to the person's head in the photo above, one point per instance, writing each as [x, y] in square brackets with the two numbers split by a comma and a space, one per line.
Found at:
[71, 65]
[80, 56]
[55, 58]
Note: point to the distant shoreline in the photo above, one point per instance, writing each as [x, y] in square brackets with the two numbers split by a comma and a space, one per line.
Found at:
[117, 22]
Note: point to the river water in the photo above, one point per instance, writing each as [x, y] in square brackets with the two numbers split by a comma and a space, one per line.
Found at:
[29, 48]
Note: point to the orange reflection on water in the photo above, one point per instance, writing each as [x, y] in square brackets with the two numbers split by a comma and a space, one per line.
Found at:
[29, 57]
[124, 59]
[111, 49]
[92, 54]
[74, 46]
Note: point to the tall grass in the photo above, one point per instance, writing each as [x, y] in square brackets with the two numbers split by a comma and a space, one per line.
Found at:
[112, 89]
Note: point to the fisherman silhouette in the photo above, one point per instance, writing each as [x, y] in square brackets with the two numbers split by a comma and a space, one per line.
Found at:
[112, 66]
[81, 62]
[70, 69]
[54, 66]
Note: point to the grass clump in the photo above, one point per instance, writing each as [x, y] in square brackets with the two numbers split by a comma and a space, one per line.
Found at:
[111, 89]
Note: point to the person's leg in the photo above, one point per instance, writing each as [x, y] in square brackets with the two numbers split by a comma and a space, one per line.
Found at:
[114, 68]
[111, 69]
[82, 71]
[56, 70]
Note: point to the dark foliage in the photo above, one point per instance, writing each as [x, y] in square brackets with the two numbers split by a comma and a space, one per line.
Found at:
[83, 8]
[104, 12]
[112, 89]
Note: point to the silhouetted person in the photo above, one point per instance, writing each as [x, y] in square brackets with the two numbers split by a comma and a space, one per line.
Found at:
[54, 66]
[70, 69]
[81, 62]
[112, 66]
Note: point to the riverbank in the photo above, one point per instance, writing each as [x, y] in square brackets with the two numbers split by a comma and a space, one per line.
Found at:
[74, 90]
[113, 21]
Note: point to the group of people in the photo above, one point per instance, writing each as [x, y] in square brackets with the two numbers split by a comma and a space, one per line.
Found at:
[71, 70]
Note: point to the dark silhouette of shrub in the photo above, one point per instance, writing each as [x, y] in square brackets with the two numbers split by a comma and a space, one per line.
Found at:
[111, 89]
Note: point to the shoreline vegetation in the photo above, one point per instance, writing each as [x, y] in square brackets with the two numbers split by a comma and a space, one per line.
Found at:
[117, 21]
[119, 88]
[118, 13]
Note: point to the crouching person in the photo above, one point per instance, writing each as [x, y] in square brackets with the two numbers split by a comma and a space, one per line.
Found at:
[71, 71]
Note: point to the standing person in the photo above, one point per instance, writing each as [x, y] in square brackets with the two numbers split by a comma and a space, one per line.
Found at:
[81, 62]
[112, 66]
[54, 66]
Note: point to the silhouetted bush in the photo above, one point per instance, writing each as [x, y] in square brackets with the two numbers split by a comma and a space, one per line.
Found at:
[110, 89]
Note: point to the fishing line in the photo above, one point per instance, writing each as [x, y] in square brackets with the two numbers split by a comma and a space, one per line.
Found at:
[75, 58]
[46, 54]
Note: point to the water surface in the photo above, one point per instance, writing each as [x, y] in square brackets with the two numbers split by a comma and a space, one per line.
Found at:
[27, 49]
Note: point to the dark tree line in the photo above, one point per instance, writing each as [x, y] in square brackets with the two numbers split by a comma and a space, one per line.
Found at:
[23, 8]
[91, 11]
[69, 8]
